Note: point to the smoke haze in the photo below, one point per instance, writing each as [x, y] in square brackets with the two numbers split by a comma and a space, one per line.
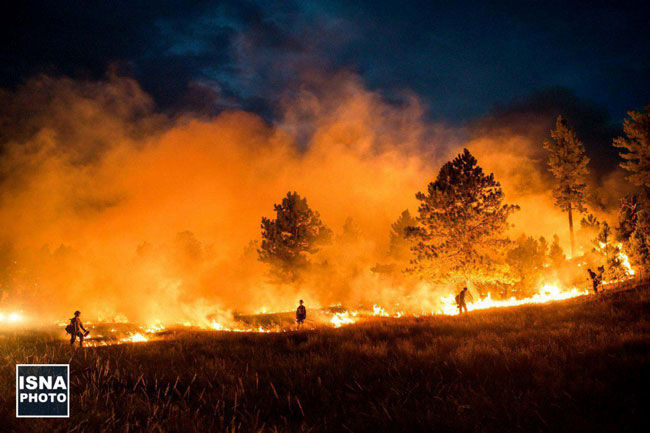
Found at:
[113, 208]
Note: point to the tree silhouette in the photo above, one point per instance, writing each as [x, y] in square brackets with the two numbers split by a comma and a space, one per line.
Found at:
[290, 238]
[637, 144]
[399, 246]
[633, 230]
[607, 253]
[568, 163]
[526, 260]
[555, 253]
[461, 224]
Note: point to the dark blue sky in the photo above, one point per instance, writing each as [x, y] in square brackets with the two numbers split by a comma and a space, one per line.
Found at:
[460, 58]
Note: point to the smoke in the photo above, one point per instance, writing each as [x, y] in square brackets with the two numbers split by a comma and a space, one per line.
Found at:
[110, 207]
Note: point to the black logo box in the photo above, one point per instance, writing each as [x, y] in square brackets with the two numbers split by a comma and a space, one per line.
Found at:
[48, 409]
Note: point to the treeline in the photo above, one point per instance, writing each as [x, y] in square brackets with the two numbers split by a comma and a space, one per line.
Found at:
[459, 233]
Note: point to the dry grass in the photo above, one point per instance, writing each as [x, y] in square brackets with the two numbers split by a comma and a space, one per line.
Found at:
[572, 366]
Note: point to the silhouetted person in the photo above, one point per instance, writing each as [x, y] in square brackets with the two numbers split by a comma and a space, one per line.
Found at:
[461, 300]
[301, 314]
[595, 279]
[75, 327]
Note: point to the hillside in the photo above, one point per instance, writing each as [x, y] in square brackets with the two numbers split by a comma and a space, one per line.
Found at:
[578, 365]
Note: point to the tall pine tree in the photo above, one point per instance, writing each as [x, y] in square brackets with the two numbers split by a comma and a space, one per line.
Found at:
[633, 230]
[292, 237]
[568, 163]
[637, 145]
[460, 235]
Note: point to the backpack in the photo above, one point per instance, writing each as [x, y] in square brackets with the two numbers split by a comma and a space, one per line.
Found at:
[301, 312]
[70, 328]
[457, 298]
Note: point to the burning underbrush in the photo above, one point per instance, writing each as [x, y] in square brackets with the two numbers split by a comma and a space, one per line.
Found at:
[118, 329]
[111, 333]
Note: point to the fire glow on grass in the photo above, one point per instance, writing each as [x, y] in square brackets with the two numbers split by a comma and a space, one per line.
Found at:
[216, 326]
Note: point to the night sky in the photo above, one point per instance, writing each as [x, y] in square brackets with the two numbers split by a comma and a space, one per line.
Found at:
[460, 59]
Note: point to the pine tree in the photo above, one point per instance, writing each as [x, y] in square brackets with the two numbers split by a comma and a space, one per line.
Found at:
[351, 231]
[568, 163]
[526, 260]
[461, 224]
[633, 230]
[290, 238]
[555, 253]
[637, 144]
[609, 250]
[399, 245]
[590, 223]
[627, 217]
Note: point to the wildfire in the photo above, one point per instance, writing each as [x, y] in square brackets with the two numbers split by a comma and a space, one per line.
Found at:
[379, 311]
[625, 261]
[155, 328]
[135, 338]
[344, 318]
[547, 293]
[11, 318]
[216, 326]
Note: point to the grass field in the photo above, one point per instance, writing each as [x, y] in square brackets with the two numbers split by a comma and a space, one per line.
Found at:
[580, 365]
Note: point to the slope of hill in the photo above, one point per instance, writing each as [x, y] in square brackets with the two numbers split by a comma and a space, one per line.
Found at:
[578, 365]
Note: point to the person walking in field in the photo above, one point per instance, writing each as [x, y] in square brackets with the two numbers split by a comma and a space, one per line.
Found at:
[595, 280]
[461, 300]
[301, 314]
[74, 329]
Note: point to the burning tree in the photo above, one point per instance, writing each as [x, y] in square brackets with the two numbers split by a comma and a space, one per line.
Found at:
[637, 144]
[568, 163]
[461, 224]
[610, 251]
[633, 230]
[526, 261]
[555, 253]
[606, 251]
[290, 238]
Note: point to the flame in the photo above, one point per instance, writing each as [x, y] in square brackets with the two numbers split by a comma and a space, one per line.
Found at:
[155, 328]
[343, 318]
[135, 338]
[625, 261]
[11, 318]
[548, 292]
[217, 326]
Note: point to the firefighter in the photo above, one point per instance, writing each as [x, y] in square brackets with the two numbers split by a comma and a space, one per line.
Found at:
[74, 329]
[595, 279]
[301, 314]
[461, 300]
